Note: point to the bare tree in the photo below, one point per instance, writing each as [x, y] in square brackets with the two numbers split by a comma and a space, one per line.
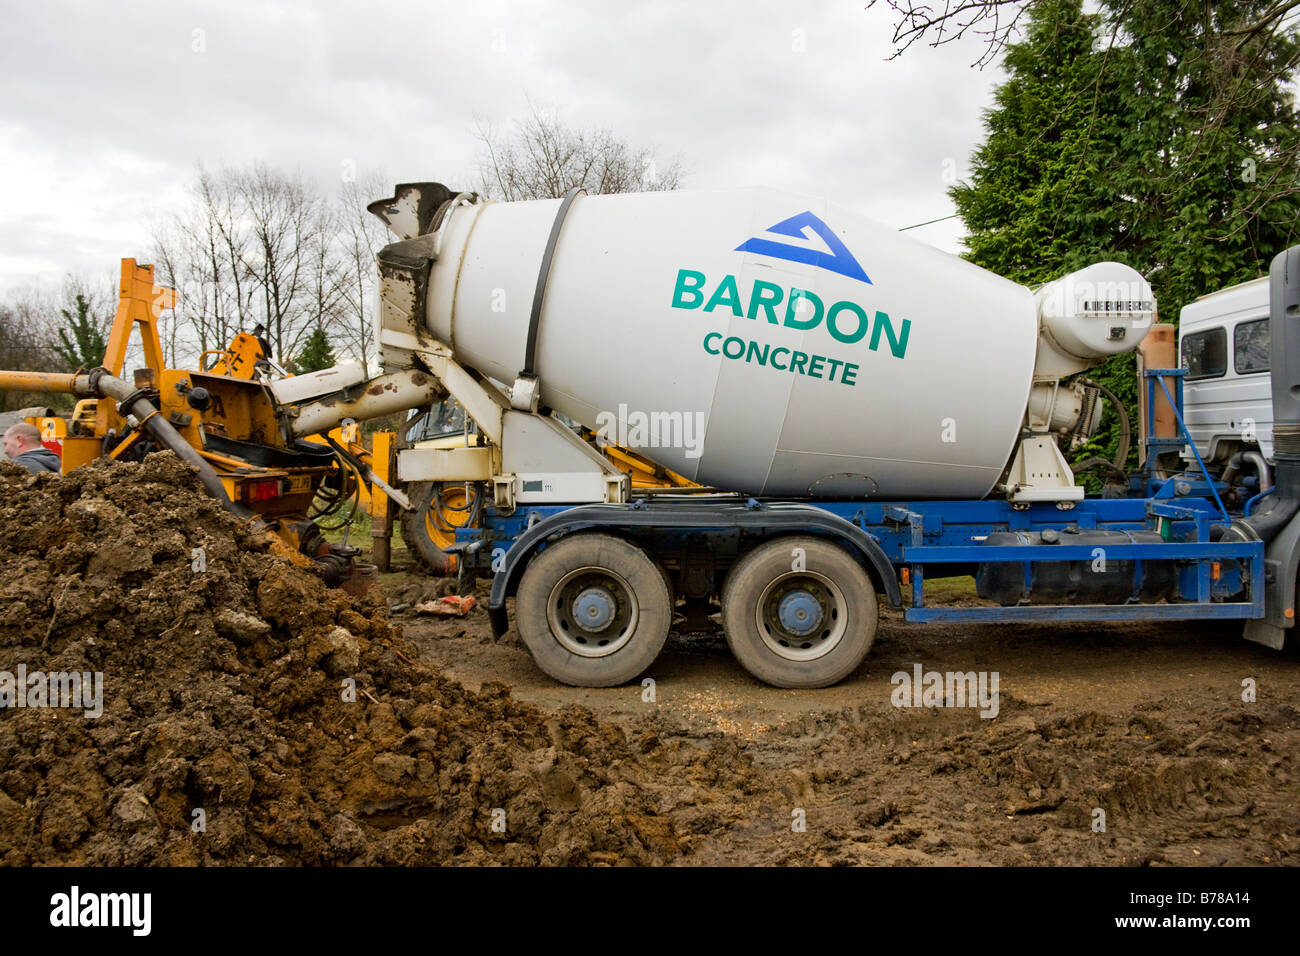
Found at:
[28, 341]
[170, 273]
[946, 21]
[361, 236]
[200, 252]
[287, 224]
[259, 246]
[100, 293]
[326, 276]
[254, 246]
[542, 158]
[226, 241]
[94, 299]
[995, 23]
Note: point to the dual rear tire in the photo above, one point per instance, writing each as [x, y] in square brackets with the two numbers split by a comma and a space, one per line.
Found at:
[594, 610]
[799, 611]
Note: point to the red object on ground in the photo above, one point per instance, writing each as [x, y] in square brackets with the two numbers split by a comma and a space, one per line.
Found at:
[451, 606]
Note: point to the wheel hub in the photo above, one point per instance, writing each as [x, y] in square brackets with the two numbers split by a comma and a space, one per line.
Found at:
[802, 615]
[592, 612]
[799, 612]
[593, 609]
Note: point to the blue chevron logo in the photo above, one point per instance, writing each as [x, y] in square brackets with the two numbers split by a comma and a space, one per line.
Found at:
[839, 260]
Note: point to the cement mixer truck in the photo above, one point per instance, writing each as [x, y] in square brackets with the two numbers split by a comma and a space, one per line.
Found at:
[862, 412]
[858, 413]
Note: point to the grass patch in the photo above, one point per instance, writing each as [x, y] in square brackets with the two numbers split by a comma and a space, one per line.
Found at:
[946, 591]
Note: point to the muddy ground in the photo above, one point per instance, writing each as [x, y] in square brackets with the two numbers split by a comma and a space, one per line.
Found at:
[250, 715]
[1144, 722]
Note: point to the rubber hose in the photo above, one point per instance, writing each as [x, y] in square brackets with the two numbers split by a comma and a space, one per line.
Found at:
[1125, 432]
[151, 420]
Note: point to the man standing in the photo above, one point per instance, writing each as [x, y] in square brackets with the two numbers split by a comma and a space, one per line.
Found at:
[23, 446]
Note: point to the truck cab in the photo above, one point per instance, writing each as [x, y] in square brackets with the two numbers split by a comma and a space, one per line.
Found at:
[1227, 398]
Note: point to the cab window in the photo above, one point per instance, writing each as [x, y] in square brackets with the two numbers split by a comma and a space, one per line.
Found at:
[1205, 354]
[1250, 347]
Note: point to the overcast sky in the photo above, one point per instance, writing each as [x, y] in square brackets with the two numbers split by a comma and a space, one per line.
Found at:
[108, 107]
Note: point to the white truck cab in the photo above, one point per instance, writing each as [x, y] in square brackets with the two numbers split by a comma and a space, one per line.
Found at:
[1224, 345]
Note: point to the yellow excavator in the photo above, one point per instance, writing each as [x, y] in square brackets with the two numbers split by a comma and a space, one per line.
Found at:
[222, 419]
[218, 419]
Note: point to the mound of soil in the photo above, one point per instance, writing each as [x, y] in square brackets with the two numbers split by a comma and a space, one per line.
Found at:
[251, 715]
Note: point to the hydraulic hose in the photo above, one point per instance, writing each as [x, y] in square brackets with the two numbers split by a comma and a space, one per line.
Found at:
[132, 401]
[1125, 431]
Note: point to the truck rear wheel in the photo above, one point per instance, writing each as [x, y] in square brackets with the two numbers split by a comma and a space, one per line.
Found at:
[799, 612]
[593, 610]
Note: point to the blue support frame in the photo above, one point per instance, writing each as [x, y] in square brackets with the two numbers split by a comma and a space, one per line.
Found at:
[1152, 444]
[931, 534]
[917, 535]
[1205, 554]
[1186, 436]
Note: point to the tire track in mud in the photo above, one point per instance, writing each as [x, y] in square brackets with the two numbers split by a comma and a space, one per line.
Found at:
[1143, 724]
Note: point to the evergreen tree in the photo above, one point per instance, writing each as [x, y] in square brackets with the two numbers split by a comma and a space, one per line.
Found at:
[1173, 150]
[316, 353]
[1032, 204]
[81, 342]
[1206, 147]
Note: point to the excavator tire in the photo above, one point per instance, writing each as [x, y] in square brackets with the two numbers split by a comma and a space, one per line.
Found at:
[425, 532]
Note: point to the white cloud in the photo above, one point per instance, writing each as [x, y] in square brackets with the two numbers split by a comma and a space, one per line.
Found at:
[108, 109]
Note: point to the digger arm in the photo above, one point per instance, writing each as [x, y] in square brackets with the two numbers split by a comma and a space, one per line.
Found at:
[39, 382]
[130, 401]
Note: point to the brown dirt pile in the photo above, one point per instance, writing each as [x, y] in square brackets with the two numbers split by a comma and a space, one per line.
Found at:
[223, 692]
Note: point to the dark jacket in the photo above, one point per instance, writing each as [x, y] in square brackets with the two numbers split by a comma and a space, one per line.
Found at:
[38, 460]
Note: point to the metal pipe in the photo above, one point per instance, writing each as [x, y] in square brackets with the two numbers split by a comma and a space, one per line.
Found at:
[1231, 469]
[99, 382]
[395, 392]
[1261, 468]
[38, 381]
[1256, 460]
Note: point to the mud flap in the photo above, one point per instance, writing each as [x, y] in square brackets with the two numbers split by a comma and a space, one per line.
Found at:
[1281, 562]
[500, 621]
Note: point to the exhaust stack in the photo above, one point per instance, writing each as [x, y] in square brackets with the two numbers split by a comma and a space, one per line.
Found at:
[1284, 361]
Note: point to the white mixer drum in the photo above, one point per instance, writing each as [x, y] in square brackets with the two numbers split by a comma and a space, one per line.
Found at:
[750, 339]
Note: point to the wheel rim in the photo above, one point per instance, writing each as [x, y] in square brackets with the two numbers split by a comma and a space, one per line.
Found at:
[802, 615]
[592, 612]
